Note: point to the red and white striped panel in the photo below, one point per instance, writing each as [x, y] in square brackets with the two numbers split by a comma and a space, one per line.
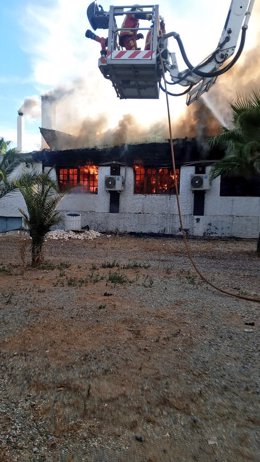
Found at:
[133, 54]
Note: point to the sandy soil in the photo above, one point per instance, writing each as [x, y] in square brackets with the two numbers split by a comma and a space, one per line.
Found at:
[115, 350]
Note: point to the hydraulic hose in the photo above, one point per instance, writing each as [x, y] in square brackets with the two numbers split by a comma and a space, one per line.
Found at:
[204, 63]
[175, 94]
[196, 71]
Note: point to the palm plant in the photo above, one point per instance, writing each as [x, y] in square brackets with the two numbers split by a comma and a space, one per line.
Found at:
[41, 196]
[10, 160]
[4, 146]
[242, 141]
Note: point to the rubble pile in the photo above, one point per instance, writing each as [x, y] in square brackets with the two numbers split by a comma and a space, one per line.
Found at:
[66, 235]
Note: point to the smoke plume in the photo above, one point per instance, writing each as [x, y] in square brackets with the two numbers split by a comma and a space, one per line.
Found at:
[200, 120]
[31, 107]
[73, 116]
[241, 80]
[88, 131]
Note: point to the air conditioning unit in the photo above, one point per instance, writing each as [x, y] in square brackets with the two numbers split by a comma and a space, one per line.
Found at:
[200, 182]
[114, 183]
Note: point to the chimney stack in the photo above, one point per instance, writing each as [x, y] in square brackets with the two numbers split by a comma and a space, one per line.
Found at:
[48, 109]
[19, 131]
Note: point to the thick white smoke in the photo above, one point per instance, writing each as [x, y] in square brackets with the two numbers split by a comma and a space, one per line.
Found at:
[65, 66]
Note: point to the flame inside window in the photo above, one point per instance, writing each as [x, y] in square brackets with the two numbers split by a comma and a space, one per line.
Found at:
[89, 178]
[83, 179]
[155, 180]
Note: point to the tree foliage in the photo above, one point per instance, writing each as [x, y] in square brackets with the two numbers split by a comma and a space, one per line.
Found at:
[9, 161]
[242, 141]
[41, 195]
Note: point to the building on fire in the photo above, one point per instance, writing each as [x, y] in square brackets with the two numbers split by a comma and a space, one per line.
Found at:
[131, 189]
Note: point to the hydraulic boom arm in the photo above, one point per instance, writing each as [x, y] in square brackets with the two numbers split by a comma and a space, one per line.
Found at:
[141, 72]
[200, 78]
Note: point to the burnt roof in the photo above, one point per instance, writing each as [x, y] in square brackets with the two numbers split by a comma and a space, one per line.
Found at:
[186, 151]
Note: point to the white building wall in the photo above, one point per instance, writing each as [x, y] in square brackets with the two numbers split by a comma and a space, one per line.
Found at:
[10, 205]
[88, 203]
[223, 216]
[137, 213]
[230, 216]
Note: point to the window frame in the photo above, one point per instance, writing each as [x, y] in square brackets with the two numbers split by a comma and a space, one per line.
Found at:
[77, 180]
[151, 180]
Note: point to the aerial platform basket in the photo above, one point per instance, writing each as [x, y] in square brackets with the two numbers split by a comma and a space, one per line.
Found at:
[134, 73]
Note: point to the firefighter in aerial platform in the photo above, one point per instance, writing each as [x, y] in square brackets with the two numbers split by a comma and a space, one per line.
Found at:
[129, 35]
[161, 31]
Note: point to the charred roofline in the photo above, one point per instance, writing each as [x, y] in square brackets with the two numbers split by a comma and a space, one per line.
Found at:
[187, 151]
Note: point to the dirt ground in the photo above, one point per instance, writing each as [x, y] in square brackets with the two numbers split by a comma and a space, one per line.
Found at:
[114, 350]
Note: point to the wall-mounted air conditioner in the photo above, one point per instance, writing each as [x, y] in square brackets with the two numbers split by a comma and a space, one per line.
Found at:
[200, 182]
[114, 183]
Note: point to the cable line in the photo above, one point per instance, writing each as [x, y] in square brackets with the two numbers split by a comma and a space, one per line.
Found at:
[187, 247]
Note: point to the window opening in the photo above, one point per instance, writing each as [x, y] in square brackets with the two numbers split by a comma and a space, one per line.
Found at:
[89, 178]
[83, 179]
[155, 180]
[68, 176]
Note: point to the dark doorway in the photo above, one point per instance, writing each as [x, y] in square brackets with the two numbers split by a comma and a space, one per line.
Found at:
[114, 195]
[199, 196]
